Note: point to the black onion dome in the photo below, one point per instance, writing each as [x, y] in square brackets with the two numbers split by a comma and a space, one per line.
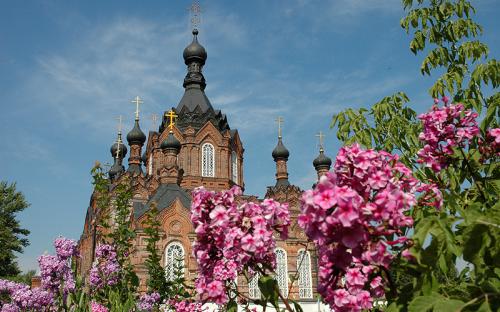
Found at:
[114, 148]
[115, 170]
[136, 136]
[195, 51]
[280, 151]
[322, 160]
[171, 142]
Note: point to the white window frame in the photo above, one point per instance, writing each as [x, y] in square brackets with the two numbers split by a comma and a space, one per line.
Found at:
[282, 271]
[170, 261]
[207, 162]
[305, 274]
[234, 167]
[150, 164]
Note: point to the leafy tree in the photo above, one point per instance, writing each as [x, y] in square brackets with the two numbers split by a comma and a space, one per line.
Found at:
[468, 226]
[12, 236]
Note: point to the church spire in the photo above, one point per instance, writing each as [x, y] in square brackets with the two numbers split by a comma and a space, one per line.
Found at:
[118, 151]
[280, 155]
[136, 139]
[170, 173]
[322, 163]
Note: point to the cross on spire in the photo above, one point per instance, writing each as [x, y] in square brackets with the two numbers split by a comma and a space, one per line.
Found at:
[154, 119]
[171, 115]
[320, 136]
[119, 118]
[137, 101]
[280, 121]
[195, 10]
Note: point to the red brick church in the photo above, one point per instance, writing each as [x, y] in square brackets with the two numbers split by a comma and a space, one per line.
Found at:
[200, 149]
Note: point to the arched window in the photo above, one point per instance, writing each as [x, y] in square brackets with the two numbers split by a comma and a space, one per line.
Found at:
[150, 164]
[174, 261]
[305, 277]
[253, 287]
[234, 167]
[282, 271]
[207, 160]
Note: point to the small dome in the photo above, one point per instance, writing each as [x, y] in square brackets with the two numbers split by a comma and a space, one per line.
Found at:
[136, 136]
[195, 51]
[322, 161]
[114, 148]
[280, 151]
[115, 170]
[171, 142]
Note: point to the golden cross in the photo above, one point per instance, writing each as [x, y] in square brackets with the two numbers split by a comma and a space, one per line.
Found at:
[321, 136]
[118, 141]
[154, 119]
[279, 120]
[137, 101]
[171, 115]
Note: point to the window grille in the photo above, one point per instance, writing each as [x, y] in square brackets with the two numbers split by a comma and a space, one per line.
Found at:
[207, 160]
[234, 165]
[174, 261]
[305, 277]
[282, 271]
[253, 287]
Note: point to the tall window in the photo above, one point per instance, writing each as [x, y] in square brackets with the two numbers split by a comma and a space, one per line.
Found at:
[174, 261]
[282, 271]
[305, 278]
[234, 167]
[207, 160]
[253, 287]
[150, 164]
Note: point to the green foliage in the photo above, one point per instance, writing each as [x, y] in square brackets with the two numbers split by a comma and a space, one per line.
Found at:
[12, 236]
[114, 221]
[467, 229]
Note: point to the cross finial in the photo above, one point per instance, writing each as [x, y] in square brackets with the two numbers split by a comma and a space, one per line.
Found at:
[280, 121]
[118, 144]
[119, 124]
[154, 119]
[195, 10]
[320, 136]
[171, 115]
[137, 101]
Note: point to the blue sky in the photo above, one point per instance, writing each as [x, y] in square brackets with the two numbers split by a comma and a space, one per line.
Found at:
[69, 68]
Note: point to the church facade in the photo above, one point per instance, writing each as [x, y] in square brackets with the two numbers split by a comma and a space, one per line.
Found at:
[200, 149]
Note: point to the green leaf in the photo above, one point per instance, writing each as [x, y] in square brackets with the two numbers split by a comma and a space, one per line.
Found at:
[423, 303]
[448, 306]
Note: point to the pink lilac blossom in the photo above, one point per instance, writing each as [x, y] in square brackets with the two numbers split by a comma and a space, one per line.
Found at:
[185, 306]
[443, 129]
[97, 307]
[350, 216]
[148, 301]
[491, 146]
[232, 237]
[105, 270]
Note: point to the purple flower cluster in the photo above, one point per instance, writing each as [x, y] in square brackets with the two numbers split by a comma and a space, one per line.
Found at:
[445, 128]
[23, 298]
[106, 269]
[55, 271]
[231, 237]
[148, 301]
